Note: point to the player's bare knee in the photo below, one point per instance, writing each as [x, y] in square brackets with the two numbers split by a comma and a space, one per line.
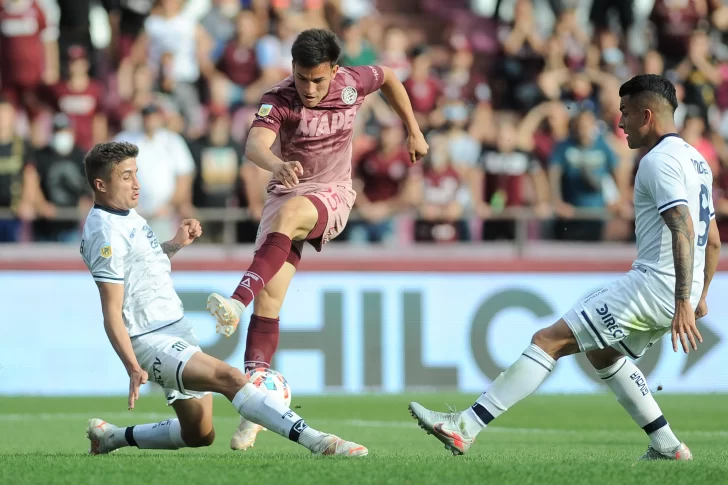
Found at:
[557, 340]
[230, 379]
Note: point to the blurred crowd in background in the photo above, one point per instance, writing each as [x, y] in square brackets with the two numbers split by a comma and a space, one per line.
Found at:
[518, 100]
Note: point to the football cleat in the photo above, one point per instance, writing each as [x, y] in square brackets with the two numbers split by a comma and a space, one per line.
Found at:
[244, 436]
[333, 445]
[100, 434]
[444, 426]
[226, 311]
[681, 453]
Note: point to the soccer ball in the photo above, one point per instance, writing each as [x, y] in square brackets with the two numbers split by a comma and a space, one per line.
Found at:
[271, 381]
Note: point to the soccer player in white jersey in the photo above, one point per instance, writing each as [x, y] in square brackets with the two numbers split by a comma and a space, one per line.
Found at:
[677, 254]
[144, 320]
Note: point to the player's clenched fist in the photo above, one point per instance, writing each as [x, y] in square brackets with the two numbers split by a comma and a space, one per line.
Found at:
[287, 173]
[417, 146]
[189, 230]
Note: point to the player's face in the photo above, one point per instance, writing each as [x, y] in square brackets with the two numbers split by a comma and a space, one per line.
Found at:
[632, 122]
[312, 84]
[122, 189]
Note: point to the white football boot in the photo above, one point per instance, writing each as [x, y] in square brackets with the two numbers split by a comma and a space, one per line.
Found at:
[100, 434]
[333, 445]
[226, 311]
[445, 427]
[680, 453]
[244, 436]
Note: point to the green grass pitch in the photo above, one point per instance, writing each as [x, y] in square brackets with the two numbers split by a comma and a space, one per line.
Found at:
[543, 440]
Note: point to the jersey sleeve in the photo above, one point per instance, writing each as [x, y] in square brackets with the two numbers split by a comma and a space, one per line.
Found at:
[272, 112]
[371, 78]
[104, 255]
[665, 182]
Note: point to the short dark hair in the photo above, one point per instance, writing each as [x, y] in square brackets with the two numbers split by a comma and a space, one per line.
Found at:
[102, 159]
[651, 85]
[316, 46]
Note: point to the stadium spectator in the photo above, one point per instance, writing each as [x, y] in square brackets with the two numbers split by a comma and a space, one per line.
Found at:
[357, 50]
[82, 99]
[61, 183]
[176, 45]
[241, 77]
[394, 52]
[74, 29]
[699, 73]
[127, 23]
[17, 176]
[507, 176]
[384, 186]
[220, 25]
[580, 170]
[443, 198]
[423, 87]
[674, 23]
[166, 164]
[28, 57]
[218, 163]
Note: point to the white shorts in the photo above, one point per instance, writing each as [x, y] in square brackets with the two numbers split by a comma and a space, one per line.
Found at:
[164, 353]
[625, 315]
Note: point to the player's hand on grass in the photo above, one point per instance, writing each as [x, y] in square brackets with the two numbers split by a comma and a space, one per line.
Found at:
[137, 377]
[287, 173]
[417, 146]
[702, 309]
[189, 230]
[684, 327]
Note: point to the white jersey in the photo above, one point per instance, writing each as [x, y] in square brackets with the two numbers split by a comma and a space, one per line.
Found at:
[120, 247]
[672, 173]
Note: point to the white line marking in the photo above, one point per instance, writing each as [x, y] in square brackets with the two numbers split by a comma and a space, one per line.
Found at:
[356, 423]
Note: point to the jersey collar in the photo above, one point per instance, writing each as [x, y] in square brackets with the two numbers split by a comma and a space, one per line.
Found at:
[117, 212]
[666, 135]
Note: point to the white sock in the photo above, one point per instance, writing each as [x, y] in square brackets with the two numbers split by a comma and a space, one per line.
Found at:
[630, 386]
[515, 383]
[272, 413]
[165, 435]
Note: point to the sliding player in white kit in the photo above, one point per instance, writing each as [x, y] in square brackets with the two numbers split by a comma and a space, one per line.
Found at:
[144, 320]
[677, 254]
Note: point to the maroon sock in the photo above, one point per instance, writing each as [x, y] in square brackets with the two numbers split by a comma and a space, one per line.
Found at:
[261, 343]
[268, 260]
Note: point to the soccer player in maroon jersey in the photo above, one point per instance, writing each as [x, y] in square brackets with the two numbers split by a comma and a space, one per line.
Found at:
[310, 195]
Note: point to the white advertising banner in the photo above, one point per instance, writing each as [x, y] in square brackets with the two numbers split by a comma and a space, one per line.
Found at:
[345, 332]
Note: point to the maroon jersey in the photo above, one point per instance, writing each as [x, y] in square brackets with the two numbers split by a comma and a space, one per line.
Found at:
[319, 138]
[675, 22]
[23, 29]
[440, 186]
[81, 107]
[506, 173]
[383, 175]
[423, 94]
[239, 64]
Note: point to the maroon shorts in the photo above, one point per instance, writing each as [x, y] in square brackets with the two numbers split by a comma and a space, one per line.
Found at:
[333, 202]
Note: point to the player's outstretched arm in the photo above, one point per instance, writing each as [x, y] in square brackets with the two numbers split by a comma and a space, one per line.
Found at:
[397, 97]
[712, 254]
[680, 224]
[189, 230]
[112, 301]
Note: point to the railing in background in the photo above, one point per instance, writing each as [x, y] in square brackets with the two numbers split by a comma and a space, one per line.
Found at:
[230, 216]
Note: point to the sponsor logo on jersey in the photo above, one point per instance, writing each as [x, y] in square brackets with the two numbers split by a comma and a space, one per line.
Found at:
[133, 233]
[265, 109]
[327, 124]
[610, 323]
[106, 250]
[157, 371]
[349, 95]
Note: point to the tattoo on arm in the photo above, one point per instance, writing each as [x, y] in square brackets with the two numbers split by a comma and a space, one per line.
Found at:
[683, 248]
[170, 248]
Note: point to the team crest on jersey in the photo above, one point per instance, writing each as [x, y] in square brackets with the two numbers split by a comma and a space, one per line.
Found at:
[349, 95]
[106, 251]
[265, 109]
